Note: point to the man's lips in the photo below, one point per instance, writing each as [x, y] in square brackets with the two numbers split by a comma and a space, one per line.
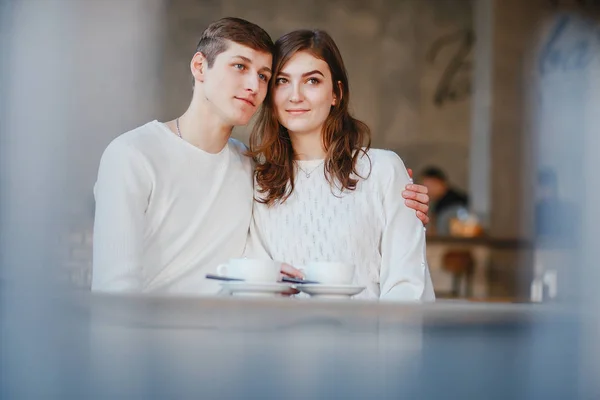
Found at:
[250, 102]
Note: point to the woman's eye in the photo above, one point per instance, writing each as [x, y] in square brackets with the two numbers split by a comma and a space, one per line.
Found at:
[280, 81]
[239, 66]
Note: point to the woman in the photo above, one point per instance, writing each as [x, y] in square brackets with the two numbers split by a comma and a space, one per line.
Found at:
[321, 193]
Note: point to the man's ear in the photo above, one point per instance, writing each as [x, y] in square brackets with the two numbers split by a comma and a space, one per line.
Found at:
[198, 66]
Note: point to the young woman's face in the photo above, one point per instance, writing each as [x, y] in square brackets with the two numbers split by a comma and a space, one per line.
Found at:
[303, 94]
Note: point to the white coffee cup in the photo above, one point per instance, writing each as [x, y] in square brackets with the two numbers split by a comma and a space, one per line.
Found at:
[251, 270]
[329, 273]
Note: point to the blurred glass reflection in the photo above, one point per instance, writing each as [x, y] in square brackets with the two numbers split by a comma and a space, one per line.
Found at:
[75, 74]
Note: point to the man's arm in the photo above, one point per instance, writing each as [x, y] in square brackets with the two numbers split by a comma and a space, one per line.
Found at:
[121, 192]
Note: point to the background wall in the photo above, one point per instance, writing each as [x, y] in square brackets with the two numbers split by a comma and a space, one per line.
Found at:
[408, 62]
[412, 79]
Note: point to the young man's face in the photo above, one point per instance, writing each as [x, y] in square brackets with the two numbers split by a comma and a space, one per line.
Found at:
[237, 83]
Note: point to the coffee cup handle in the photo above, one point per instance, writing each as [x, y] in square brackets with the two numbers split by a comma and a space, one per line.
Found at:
[222, 270]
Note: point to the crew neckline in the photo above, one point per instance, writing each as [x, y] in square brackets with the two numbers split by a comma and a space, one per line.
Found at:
[162, 126]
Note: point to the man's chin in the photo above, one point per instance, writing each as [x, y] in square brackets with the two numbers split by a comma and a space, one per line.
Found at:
[242, 120]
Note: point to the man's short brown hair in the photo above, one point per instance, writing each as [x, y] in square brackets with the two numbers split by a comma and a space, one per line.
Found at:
[214, 39]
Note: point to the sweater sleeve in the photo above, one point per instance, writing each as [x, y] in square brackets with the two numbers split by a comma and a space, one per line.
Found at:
[122, 194]
[255, 247]
[404, 273]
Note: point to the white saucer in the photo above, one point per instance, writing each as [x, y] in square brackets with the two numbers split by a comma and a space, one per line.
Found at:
[269, 289]
[330, 291]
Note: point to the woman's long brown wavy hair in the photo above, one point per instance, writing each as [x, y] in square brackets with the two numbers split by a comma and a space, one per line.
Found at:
[345, 138]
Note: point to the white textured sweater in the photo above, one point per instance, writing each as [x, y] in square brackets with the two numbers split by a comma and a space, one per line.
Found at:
[167, 212]
[370, 227]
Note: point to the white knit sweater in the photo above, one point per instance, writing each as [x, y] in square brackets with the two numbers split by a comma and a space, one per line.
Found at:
[370, 227]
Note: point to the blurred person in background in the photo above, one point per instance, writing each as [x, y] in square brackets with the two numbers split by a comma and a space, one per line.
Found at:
[446, 200]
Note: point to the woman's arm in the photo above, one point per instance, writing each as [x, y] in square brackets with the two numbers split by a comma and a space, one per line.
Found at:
[404, 274]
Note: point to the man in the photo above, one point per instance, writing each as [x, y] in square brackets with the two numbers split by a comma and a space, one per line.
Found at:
[446, 200]
[174, 200]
